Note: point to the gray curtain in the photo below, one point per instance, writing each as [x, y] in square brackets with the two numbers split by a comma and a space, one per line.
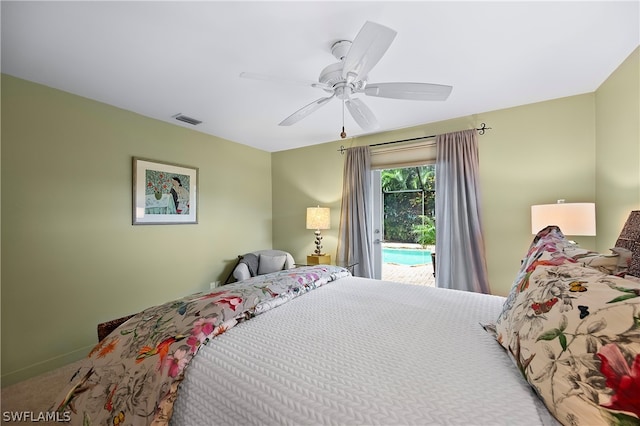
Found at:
[460, 253]
[354, 237]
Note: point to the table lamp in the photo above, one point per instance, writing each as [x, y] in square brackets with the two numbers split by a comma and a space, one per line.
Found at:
[571, 218]
[318, 218]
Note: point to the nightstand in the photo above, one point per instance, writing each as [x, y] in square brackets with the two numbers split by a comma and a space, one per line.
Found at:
[324, 259]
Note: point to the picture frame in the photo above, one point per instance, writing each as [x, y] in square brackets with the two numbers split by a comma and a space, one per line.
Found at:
[164, 193]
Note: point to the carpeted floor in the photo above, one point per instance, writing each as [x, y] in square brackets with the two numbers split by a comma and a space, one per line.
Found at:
[35, 395]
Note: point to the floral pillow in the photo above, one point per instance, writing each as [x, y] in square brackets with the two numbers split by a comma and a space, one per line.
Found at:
[616, 263]
[549, 247]
[632, 278]
[624, 259]
[605, 263]
[574, 334]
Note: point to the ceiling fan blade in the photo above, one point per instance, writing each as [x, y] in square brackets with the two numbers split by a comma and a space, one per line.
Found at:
[304, 111]
[367, 48]
[264, 77]
[362, 114]
[415, 91]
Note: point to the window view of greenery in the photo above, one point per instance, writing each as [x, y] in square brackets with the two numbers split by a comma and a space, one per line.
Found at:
[409, 204]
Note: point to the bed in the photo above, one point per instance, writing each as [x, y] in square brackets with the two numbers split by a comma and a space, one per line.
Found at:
[315, 345]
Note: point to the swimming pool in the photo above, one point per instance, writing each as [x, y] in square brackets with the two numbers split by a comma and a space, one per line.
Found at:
[409, 257]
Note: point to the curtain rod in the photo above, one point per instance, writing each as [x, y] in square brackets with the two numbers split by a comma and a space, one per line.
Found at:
[483, 127]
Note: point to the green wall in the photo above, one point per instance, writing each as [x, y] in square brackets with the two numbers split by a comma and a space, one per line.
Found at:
[71, 257]
[522, 162]
[534, 154]
[617, 150]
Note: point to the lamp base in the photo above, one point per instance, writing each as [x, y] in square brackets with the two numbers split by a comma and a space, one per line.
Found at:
[323, 259]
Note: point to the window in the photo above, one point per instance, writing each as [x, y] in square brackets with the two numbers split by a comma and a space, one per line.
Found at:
[408, 195]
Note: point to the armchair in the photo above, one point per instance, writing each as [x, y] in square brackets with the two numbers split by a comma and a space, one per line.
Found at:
[261, 262]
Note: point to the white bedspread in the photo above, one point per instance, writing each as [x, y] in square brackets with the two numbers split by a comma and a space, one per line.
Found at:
[359, 351]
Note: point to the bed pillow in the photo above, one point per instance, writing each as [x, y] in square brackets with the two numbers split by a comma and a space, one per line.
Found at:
[574, 334]
[624, 259]
[615, 263]
[549, 246]
[629, 239]
[632, 278]
[605, 263]
[269, 264]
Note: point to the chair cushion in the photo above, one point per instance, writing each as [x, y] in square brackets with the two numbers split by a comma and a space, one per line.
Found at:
[269, 264]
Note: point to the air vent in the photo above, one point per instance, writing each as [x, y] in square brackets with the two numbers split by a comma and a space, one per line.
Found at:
[186, 119]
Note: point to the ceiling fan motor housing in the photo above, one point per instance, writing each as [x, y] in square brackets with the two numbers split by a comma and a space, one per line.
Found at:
[340, 48]
[332, 77]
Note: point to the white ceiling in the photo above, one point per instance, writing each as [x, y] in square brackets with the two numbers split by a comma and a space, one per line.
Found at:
[159, 58]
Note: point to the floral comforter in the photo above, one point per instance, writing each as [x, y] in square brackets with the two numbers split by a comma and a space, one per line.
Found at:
[132, 376]
[574, 334]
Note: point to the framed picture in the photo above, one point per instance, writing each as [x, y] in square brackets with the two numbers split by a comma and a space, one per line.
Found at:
[164, 193]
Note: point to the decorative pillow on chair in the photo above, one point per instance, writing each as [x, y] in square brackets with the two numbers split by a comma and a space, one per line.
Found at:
[269, 264]
[574, 334]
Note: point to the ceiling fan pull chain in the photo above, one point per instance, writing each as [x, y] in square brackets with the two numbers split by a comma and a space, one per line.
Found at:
[343, 134]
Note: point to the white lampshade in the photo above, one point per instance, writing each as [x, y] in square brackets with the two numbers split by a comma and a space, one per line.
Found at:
[571, 218]
[318, 217]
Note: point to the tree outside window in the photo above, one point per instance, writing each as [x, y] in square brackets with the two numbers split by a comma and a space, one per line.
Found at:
[409, 204]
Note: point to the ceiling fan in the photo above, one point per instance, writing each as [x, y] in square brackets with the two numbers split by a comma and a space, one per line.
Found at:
[349, 77]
